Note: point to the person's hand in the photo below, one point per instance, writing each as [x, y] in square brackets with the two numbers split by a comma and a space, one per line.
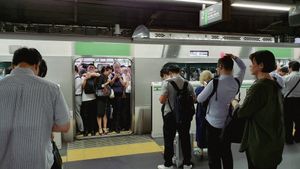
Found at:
[231, 55]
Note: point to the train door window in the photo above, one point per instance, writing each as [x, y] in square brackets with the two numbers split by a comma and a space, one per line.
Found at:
[105, 97]
[5, 68]
[191, 71]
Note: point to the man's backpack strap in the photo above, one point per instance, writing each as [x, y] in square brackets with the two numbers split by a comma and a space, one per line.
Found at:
[185, 85]
[215, 86]
[176, 88]
[174, 85]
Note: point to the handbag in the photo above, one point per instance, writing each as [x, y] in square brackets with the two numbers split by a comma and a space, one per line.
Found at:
[57, 158]
[234, 126]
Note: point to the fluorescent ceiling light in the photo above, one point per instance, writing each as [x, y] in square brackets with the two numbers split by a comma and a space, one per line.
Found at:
[259, 5]
[198, 1]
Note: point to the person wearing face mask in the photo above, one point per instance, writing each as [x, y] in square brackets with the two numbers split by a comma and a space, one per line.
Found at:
[31, 108]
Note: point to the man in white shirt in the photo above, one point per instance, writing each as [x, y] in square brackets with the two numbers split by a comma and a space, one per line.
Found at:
[291, 94]
[78, 100]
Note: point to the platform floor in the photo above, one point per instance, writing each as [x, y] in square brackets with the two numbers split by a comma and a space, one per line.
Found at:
[142, 152]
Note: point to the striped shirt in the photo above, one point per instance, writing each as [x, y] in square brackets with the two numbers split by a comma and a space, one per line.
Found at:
[29, 106]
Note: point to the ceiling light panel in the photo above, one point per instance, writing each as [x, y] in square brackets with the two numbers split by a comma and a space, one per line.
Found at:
[263, 6]
[198, 1]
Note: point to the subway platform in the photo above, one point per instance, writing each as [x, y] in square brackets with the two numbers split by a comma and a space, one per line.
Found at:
[143, 152]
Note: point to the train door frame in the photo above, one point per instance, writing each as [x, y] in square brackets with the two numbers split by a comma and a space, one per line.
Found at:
[132, 103]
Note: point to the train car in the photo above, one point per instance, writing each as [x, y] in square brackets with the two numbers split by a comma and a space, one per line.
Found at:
[146, 57]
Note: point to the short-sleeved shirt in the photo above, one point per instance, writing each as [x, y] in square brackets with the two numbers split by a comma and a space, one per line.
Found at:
[29, 106]
[290, 81]
[169, 91]
[78, 85]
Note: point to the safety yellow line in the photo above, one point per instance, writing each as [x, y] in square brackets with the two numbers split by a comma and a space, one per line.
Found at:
[112, 151]
[64, 158]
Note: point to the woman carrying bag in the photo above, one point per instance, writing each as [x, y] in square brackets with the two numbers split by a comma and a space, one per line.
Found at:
[263, 137]
[103, 92]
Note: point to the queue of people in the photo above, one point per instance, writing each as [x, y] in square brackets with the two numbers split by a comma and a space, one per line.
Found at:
[269, 112]
[98, 113]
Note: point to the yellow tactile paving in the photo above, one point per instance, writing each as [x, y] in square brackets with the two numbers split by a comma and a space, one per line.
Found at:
[112, 151]
[64, 158]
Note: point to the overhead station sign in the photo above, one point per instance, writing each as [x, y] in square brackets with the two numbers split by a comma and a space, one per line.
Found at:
[294, 16]
[211, 14]
[215, 13]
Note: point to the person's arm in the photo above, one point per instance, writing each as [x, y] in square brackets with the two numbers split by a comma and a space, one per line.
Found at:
[61, 128]
[113, 79]
[122, 80]
[203, 96]
[286, 87]
[242, 68]
[253, 102]
[164, 93]
[61, 113]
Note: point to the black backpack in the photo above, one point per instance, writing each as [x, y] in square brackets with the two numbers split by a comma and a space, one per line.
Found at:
[184, 108]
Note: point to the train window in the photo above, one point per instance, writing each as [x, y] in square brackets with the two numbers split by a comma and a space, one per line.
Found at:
[102, 97]
[191, 71]
[5, 68]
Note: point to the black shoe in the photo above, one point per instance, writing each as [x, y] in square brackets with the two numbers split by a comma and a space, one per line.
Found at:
[93, 133]
[80, 133]
[85, 134]
[117, 131]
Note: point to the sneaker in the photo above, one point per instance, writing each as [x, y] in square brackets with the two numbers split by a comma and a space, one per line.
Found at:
[187, 166]
[164, 167]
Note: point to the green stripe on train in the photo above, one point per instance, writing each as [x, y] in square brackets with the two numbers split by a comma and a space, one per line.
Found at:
[102, 49]
[279, 53]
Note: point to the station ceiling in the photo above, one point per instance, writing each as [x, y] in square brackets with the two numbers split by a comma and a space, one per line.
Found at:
[154, 14]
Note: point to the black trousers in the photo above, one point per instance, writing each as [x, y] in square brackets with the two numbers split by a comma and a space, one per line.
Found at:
[291, 117]
[218, 149]
[118, 116]
[169, 130]
[89, 116]
[250, 164]
[126, 124]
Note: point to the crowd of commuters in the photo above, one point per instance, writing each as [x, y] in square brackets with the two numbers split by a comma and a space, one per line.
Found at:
[269, 111]
[32, 108]
[102, 114]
